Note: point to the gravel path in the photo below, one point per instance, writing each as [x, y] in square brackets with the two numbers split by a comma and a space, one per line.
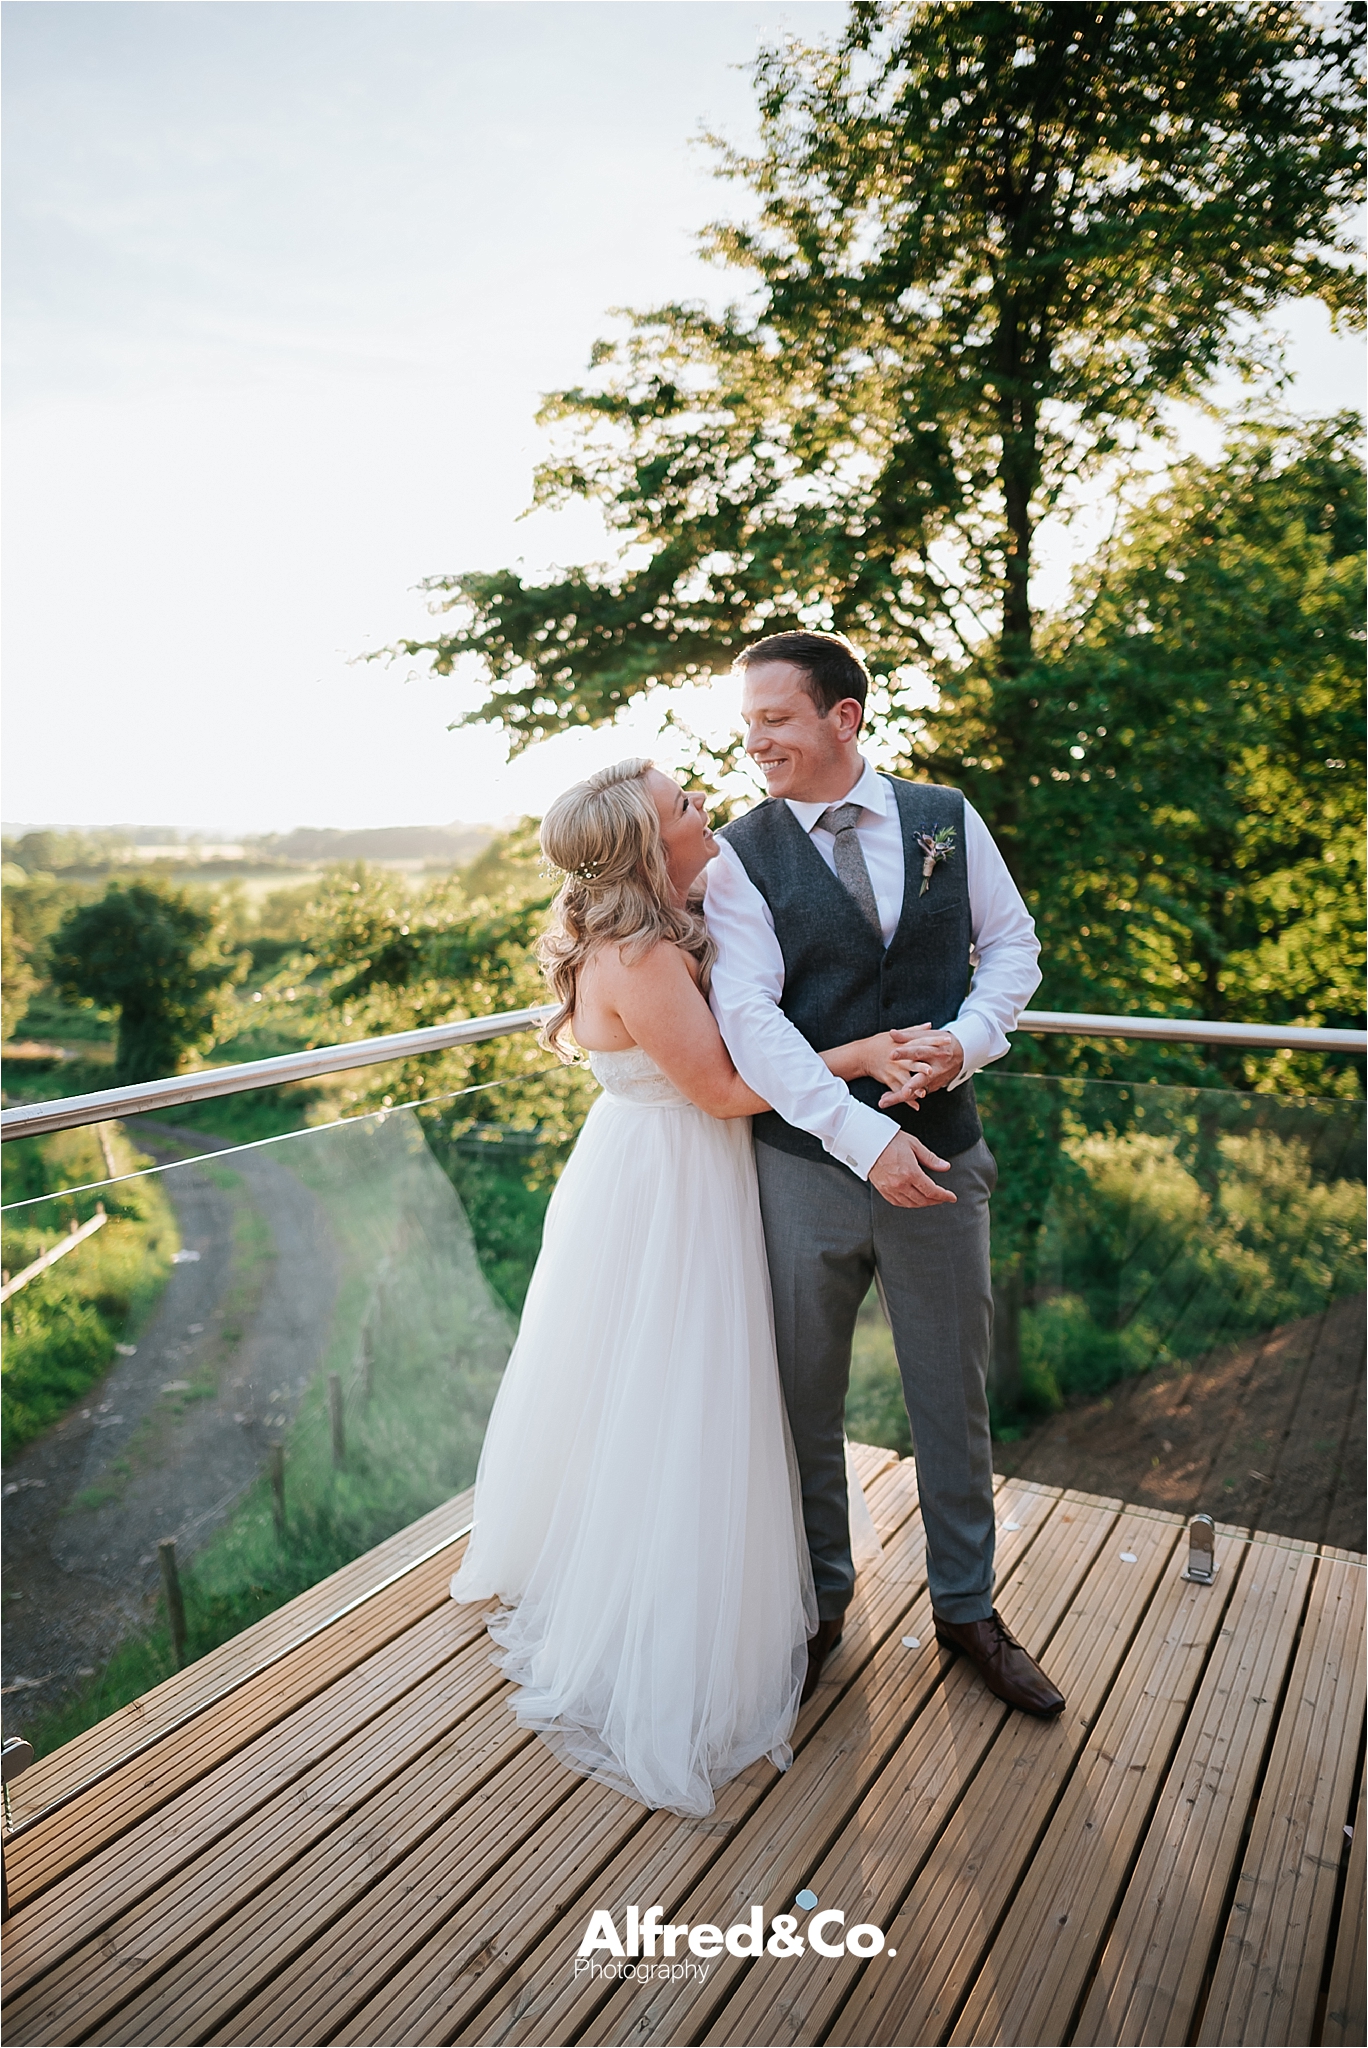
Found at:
[172, 1436]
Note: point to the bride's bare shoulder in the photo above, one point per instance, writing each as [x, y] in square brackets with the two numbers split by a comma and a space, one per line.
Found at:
[662, 962]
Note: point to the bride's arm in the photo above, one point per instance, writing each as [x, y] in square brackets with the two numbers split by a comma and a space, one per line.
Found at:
[882, 1058]
[660, 1005]
[664, 1011]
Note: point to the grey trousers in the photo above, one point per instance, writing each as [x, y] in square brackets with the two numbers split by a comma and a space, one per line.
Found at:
[827, 1234]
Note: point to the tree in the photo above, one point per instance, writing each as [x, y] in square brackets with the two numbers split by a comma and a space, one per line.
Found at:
[504, 1114]
[34, 906]
[1191, 828]
[21, 983]
[148, 952]
[992, 243]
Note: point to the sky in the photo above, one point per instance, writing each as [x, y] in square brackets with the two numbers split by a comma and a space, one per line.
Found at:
[285, 282]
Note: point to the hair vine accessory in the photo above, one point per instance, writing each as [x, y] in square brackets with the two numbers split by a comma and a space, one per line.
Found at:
[588, 871]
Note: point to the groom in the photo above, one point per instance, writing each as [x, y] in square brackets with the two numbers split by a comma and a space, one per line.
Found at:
[847, 904]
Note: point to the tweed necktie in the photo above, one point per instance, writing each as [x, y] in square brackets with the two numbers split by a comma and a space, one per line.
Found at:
[851, 871]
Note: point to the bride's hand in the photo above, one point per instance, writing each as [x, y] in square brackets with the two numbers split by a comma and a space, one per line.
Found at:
[903, 1075]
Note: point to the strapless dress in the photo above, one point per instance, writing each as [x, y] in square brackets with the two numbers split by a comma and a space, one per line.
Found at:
[637, 1507]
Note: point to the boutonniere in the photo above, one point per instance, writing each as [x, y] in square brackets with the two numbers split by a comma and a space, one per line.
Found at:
[936, 847]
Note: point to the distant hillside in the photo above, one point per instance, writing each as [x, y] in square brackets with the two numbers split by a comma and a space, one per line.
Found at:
[317, 848]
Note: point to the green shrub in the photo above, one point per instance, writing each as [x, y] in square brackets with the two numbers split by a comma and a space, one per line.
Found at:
[1064, 1351]
[61, 1329]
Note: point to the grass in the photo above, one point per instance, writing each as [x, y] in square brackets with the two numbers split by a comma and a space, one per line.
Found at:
[55, 1023]
[505, 1201]
[875, 1410]
[62, 1328]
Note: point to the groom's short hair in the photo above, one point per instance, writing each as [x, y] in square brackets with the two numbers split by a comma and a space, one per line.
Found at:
[832, 667]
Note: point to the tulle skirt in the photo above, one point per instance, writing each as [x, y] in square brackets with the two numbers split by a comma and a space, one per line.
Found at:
[637, 1505]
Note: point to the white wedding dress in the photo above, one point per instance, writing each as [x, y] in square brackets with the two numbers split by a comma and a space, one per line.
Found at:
[637, 1504]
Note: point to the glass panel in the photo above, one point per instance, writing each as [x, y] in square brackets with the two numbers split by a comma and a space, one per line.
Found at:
[1136, 1226]
[151, 1371]
[322, 1295]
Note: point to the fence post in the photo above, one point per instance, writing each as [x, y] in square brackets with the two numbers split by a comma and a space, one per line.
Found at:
[339, 1441]
[276, 1453]
[367, 1363]
[175, 1605]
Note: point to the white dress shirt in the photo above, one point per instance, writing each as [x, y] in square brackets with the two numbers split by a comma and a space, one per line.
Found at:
[772, 1055]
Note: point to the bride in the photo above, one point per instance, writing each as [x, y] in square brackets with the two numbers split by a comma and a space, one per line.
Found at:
[637, 1503]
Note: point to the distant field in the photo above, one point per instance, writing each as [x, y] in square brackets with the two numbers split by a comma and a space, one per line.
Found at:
[266, 861]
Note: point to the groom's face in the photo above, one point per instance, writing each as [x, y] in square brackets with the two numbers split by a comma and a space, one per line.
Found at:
[801, 751]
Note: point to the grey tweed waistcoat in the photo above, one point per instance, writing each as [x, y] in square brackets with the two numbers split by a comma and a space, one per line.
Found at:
[840, 981]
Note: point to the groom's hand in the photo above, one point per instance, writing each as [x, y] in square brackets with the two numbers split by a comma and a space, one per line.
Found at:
[897, 1174]
[938, 1052]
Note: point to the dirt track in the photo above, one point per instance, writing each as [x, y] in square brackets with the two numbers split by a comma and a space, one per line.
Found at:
[173, 1435]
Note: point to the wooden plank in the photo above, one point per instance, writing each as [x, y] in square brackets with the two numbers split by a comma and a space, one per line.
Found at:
[871, 1460]
[1310, 1452]
[416, 1901]
[1346, 2006]
[450, 1876]
[538, 2001]
[1043, 1952]
[259, 1869]
[1347, 1519]
[768, 1861]
[1269, 1968]
[62, 1841]
[482, 1821]
[89, 1899]
[333, 1828]
[112, 1740]
[1152, 1969]
[41, 1855]
[967, 1857]
[273, 1936]
[222, 1956]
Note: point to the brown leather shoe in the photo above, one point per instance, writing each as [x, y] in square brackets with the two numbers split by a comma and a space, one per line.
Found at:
[820, 1647]
[1005, 1668]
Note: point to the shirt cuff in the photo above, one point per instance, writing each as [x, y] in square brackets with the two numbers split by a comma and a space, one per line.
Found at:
[979, 1042]
[863, 1135]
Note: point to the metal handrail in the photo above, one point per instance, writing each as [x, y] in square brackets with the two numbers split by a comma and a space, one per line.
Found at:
[1194, 1031]
[33, 1120]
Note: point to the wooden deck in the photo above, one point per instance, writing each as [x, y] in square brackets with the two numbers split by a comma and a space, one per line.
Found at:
[358, 1844]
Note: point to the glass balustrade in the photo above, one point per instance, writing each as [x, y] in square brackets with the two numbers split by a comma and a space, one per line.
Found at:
[278, 1356]
[1137, 1226]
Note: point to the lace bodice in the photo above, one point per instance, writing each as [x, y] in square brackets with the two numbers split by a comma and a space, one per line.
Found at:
[633, 1076]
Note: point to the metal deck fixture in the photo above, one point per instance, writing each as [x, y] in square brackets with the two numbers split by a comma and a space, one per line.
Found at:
[1201, 1565]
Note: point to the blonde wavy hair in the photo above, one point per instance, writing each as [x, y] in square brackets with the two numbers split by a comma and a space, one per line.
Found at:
[604, 834]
